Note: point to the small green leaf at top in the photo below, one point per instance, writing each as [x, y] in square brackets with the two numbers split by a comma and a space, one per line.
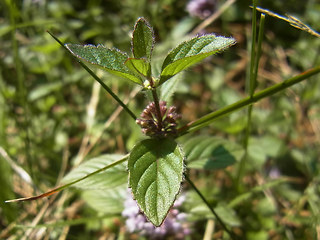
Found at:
[139, 66]
[155, 176]
[112, 60]
[192, 52]
[142, 39]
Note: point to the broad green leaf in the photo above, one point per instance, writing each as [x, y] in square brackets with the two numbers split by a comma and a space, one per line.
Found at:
[45, 89]
[110, 178]
[80, 175]
[197, 209]
[169, 88]
[142, 39]
[8, 212]
[210, 153]
[139, 66]
[253, 235]
[245, 196]
[155, 175]
[107, 201]
[112, 60]
[226, 213]
[192, 52]
[262, 148]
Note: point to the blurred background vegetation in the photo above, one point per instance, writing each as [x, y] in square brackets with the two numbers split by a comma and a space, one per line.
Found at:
[53, 115]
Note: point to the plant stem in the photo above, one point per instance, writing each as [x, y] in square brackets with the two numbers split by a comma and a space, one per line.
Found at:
[260, 38]
[209, 206]
[255, 57]
[209, 118]
[108, 90]
[58, 189]
[253, 63]
[156, 102]
[98, 80]
[24, 125]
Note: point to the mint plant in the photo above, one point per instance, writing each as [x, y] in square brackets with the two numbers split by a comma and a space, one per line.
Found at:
[157, 164]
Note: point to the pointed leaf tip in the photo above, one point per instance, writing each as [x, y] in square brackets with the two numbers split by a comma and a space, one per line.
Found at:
[191, 52]
[155, 175]
[142, 39]
[112, 60]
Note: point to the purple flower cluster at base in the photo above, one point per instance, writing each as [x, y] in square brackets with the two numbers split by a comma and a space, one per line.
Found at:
[174, 225]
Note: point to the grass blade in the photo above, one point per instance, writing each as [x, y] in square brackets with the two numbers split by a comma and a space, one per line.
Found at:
[58, 189]
[209, 118]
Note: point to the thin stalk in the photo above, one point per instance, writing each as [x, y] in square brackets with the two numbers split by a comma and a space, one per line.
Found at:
[58, 189]
[209, 206]
[209, 118]
[156, 102]
[243, 160]
[99, 80]
[252, 82]
[115, 97]
[260, 38]
[67, 223]
[21, 87]
[255, 57]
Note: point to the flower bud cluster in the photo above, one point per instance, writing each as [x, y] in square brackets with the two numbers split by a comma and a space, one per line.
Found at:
[162, 126]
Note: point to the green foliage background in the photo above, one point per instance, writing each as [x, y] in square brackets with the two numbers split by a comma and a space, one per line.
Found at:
[51, 111]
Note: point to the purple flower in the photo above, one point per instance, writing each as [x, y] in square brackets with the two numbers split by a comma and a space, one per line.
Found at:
[174, 225]
[274, 173]
[159, 126]
[201, 8]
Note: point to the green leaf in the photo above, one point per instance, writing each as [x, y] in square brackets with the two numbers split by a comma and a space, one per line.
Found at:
[8, 212]
[110, 201]
[262, 148]
[142, 39]
[204, 152]
[192, 52]
[247, 195]
[106, 191]
[110, 178]
[74, 179]
[155, 175]
[139, 66]
[169, 88]
[227, 214]
[112, 60]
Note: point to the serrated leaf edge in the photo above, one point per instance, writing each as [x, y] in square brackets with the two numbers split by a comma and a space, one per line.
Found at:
[182, 179]
[111, 70]
[152, 34]
[185, 58]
